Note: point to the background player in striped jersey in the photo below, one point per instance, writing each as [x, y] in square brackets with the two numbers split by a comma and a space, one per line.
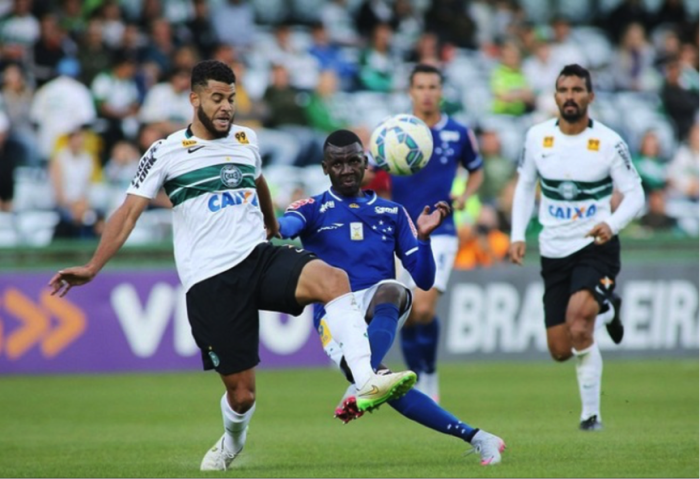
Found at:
[454, 145]
[360, 232]
[578, 162]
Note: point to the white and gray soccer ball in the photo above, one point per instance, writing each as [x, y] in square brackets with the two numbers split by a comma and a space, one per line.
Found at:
[401, 144]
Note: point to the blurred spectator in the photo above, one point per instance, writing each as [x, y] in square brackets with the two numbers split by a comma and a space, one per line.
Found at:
[70, 17]
[377, 62]
[185, 58]
[167, 104]
[322, 110]
[19, 31]
[689, 67]
[117, 98]
[684, 169]
[483, 244]
[53, 45]
[680, 103]
[120, 170]
[338, 23]
[161, 45]
[331, 56]
[286, 112]
[201, 29]
[133, 42]
[302, 67]
[93, 54]
[626, 13]
[150, 10]
[451, 21]
[426, 50]
[372, 13]
[17, 98]
[7, 168]
[113, 24]
[277, 147]
[634, 61]
[565, 50]
[541, 69]
[649, 163]
[512, 93]
[498, 170]
[234, 23]
[60, 106]
[656, 218]
[672, 12]
[408, 26]
[71, 171]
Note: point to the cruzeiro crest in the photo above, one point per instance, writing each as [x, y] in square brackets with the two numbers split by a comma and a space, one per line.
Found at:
[568, 190]
[231, 176]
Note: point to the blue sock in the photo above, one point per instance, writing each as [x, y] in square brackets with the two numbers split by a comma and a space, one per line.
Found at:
[420, 408]
[428, 339]
[381, 331]
[410, 348]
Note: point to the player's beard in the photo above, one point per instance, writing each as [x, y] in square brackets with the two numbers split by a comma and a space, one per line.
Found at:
[572, 117]
[209, 124]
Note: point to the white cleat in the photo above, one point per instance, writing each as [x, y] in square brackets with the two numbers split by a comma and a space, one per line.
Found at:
[384, 387]
[489, 447]
[217, 458]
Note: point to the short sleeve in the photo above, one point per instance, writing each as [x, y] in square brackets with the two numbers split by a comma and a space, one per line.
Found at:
[471, 159]
[304, 209]
[150, 175]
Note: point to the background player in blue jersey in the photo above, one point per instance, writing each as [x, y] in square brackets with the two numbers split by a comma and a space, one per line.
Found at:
[454, 145]
[360, 232]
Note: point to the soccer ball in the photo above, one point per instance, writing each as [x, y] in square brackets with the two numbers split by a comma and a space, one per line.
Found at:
[401, 144]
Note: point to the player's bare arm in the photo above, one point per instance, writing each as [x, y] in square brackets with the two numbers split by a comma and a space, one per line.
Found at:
[117, 230]
[427, 221]
[267, 208]
[516, 252]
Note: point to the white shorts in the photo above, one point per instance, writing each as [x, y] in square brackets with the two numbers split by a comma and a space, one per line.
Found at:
[444, 252]
[364, 299]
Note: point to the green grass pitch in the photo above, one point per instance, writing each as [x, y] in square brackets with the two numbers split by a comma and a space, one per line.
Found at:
[160, 425]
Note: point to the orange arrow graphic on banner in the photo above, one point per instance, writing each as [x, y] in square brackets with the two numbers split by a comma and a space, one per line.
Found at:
[71, 324]
[34, 318]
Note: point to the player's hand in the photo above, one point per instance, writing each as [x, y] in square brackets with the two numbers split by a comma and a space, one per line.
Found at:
[516, 252]
[601, 233]
[65, 279]
[458, 201]
[427, 221]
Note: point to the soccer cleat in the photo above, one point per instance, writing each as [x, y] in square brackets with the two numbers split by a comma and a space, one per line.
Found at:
[591, 424]
[382, 388]
[488, 446]
[217, 458]
[347, 410]
[615, 328]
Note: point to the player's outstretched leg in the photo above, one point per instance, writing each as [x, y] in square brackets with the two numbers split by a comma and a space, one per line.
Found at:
[384, 387]
[218, 458]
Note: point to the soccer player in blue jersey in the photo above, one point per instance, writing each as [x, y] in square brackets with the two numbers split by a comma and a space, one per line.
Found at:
[360, 232]
[454, 145]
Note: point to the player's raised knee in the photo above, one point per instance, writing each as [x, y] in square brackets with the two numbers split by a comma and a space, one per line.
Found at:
[390, 293]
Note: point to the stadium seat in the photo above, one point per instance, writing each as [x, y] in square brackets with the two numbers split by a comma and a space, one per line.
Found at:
[36, 227]
[8, 232]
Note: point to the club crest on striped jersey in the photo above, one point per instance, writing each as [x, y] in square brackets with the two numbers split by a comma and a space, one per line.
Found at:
[568, 190]
[231, 176]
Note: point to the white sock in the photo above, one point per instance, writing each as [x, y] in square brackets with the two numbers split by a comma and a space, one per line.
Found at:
[589, 371]
[604, 318]
[235, 426]
[348, 328]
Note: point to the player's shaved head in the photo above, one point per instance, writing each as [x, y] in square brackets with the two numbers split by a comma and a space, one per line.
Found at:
[341, 138]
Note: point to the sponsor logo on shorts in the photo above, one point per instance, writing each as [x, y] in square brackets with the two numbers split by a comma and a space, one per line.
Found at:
[214, 359]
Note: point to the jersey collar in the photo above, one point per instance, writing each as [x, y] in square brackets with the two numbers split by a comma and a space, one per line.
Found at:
[590, 123]
[366, 193]
[442, 122]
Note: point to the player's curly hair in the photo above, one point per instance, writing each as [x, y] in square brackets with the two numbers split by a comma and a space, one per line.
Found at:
[211, 70]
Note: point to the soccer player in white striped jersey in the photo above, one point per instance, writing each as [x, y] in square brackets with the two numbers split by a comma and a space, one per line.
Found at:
[222, 219]
[578, 162]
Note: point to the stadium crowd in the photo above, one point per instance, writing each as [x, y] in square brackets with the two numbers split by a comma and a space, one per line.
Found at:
[87, 86]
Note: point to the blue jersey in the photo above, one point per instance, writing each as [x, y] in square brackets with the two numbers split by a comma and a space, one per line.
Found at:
[453, 144]
[360, 236]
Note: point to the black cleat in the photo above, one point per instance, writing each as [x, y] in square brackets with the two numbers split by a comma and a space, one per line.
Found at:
[591, 424]
[615, 328]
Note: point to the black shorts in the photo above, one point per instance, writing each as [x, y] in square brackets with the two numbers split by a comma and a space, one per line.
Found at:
[223, 309]
[593, 268]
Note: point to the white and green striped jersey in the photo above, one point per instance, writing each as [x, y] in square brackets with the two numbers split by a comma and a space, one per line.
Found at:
[217, 219]
[577, 174]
